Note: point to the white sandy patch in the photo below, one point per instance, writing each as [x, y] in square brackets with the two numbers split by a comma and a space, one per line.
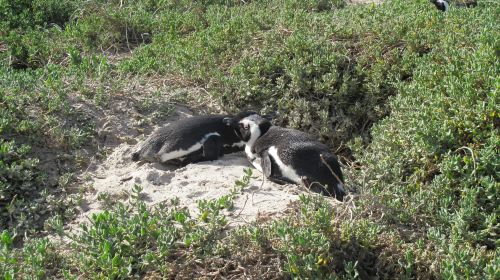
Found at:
[205, 180]
[117, 175]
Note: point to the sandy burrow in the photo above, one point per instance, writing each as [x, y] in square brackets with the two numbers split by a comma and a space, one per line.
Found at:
[117, 175]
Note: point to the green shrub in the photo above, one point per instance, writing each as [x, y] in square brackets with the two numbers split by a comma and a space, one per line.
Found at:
[30, 29]
[314, 5]
[410, 94]
[320, 72]
[19, 180]
[132, 240]
[436, 155]
[35, 48]
[33, 261]
[110, 27]
[34, 118]
[23, 14]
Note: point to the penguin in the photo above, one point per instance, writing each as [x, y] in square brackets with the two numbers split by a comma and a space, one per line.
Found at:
[441, 5]
[190, 140]
[289, 156]
[444, 5]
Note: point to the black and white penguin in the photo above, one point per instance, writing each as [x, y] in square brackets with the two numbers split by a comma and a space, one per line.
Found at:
[288, 155]
[441, 5]
[444, 5]
[191, 140]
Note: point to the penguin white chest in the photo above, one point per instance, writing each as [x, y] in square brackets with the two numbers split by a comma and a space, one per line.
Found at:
[286, 170]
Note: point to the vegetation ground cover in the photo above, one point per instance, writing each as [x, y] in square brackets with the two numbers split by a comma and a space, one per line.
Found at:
[407, 95]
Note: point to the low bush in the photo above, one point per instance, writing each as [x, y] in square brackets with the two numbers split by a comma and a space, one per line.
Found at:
[36, 120]
[434, 161]
[406, 94]
[19, 179]
[20, 15]
[320, 72]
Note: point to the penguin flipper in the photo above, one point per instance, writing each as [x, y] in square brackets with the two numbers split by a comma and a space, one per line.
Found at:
[212, 147]
[271, 172]
[192, 158]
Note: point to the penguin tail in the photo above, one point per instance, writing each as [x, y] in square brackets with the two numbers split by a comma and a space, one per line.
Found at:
[340, 191]
[338, 188]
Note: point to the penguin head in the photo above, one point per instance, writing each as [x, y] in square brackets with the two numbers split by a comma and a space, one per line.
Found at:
[441, 5]
[233, 121]
[252, 127]
[248, 124]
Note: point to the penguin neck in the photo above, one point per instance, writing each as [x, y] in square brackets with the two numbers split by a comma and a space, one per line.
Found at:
[248, 146]
[264, 127]
[255, 134]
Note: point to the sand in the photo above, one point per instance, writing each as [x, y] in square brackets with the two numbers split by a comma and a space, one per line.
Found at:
[117, 174]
